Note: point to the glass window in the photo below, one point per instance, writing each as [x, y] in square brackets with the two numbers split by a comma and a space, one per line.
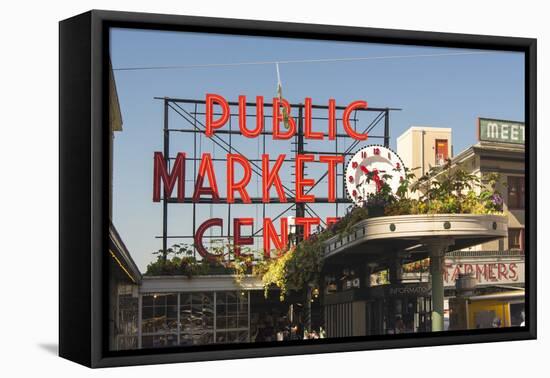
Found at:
[159, 324]
[515, 238]
[243, 320]
[147, 300]
[231, 297]
[516, 192]
[221, 322]
[232, 322]
[204, 318]
[159, 300]
[517, 314]
[126, 328]
[441, 151]
[185, 298]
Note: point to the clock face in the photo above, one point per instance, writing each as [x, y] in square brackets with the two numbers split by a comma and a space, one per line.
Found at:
[377, 160]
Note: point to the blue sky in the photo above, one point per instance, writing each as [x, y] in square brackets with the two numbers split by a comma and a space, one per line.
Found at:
[439, 91]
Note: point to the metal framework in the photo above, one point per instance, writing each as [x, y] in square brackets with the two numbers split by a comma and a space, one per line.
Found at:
[192, 113]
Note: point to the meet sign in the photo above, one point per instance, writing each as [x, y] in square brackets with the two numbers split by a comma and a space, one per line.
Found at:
[494, 130]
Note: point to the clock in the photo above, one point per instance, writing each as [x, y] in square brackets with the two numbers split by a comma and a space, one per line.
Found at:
[379, 161]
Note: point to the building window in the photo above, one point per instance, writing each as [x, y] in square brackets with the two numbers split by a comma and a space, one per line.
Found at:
[199, 318]
[516, 192]
[196, 318]
[159, 320]
[441, 151]
[516, 238]
[127, 321]
[231, 317]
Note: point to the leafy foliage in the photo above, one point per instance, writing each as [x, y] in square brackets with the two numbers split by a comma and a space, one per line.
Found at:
[180, 261]
[450, 190]
[297, 268]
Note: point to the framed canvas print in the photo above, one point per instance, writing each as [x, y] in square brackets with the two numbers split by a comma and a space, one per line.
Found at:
[233, 188]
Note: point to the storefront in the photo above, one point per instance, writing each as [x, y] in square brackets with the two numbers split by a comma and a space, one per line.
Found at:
[180, 311]
[365, 288]
[379, 310]
[124, 282]
[366, 291]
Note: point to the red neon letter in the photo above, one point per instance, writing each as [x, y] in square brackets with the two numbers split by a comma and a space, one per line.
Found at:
[259, 117]
[199, 234]
[331, 119]
[331, 161]
[332, 220]
[307, 223]
[345, 119]
[272, 178]
[301, 182]
[278, 118]
[270, 234]
[210, 123]
[238, 240]
[207, 168]
[241, 185]
[308, 132]
[169, 180]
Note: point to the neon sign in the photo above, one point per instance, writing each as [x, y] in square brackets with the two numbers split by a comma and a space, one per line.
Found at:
[207, 185]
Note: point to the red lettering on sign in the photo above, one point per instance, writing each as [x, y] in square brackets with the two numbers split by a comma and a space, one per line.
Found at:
[308, 133]
[492, 276]
[241, 185]
[199, 234]
[238, 240]
[307, 223]
[270, 178]
[513, 273]
[278, 117]
[331, 169]
[502, 271]
[332, 220]
[331, 119]
[345, 120]
[211, 125]
[259, 117]
[301, 181]
[270, 235]
[206, 168]
[168, 180]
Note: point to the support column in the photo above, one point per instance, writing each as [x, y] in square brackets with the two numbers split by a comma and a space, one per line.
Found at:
[307, 320]
[396, 270]
[437, 251]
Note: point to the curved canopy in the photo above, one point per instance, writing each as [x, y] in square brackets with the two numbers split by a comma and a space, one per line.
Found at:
[413, 233]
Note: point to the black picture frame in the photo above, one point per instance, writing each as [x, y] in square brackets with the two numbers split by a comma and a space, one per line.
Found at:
[83, 196]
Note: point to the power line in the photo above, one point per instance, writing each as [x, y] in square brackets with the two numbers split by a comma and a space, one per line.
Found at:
[301, 61]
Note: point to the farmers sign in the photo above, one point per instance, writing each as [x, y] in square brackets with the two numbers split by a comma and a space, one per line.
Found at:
[504, 272]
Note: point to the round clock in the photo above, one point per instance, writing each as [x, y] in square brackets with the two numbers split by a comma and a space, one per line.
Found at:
[378, 161]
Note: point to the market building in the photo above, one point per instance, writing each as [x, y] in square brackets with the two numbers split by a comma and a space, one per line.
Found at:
[498, 267]
[368, 286]
[483, 280]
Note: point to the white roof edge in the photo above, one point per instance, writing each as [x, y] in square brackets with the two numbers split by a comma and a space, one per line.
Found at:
[427, 128]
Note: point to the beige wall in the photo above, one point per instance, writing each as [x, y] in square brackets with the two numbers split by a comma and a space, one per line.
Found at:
[416, 154]
[516, 218]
